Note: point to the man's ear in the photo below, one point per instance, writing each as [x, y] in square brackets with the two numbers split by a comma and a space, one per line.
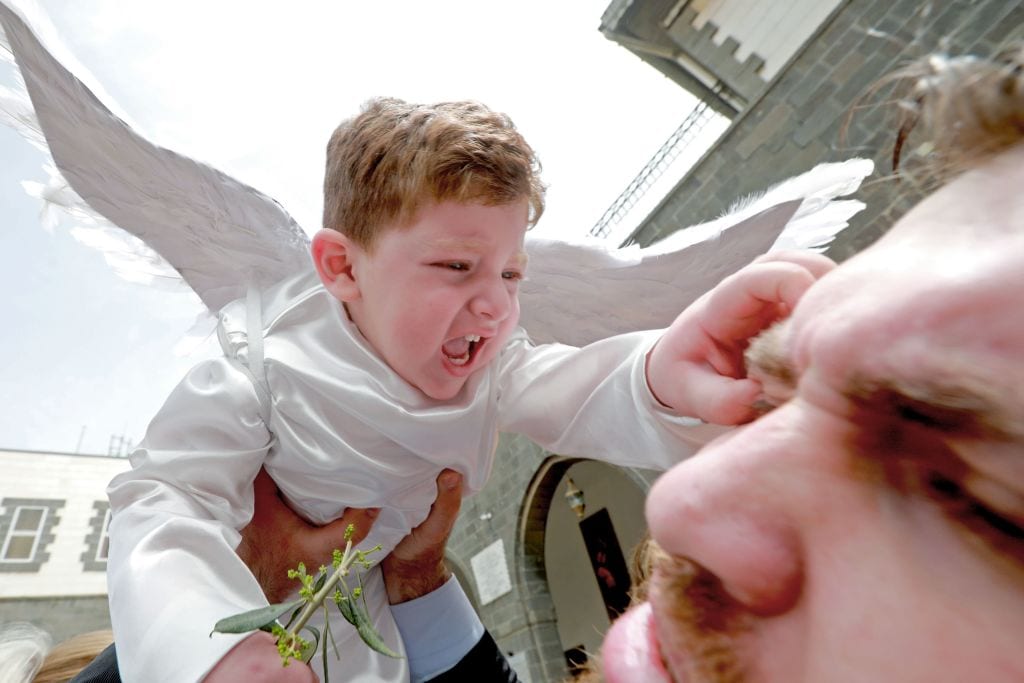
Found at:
[334, 257]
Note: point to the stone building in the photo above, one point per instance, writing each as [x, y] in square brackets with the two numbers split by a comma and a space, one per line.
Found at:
[53, 540]
[794, 78]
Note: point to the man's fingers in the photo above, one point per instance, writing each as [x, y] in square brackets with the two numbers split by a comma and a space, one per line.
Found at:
[426, 541]
[416, 566]
[322, 540]
[438, 524]
[263, 484]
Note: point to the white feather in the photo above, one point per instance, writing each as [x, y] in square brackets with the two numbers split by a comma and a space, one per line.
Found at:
[580, 293]
[218, 233]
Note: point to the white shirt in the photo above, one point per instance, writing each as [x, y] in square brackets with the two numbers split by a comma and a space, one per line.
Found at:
[344, 431]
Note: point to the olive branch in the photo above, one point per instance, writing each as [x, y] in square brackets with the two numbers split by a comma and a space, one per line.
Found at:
[315, 593]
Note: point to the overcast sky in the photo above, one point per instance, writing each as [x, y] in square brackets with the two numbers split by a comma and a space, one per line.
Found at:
[256, 90]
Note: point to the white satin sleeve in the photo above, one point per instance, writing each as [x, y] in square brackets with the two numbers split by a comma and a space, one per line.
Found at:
[173, 572]
[594, 402]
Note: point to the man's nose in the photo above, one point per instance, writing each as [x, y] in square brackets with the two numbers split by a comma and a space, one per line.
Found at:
[725, 510]
[492, 301]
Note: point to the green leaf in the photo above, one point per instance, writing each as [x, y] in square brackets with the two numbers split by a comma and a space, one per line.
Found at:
[345, 607]
[295, 614]
[321, 579]
[370, 636]
[365, 629]
[310, 649]
[254, 620]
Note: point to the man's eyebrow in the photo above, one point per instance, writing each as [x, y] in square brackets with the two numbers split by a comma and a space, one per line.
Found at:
[950, 408]
[767, 361]
[767, 353]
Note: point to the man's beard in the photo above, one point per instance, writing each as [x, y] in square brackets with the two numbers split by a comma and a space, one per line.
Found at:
[705, 620]
[694, 614]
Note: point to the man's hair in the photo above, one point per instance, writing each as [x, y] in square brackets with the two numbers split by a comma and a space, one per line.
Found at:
[968, 108]
[394, 157]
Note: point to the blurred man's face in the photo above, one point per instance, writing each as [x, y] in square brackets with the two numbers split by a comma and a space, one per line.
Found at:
[871, 527]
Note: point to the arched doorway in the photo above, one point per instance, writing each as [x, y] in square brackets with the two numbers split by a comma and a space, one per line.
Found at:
[554, 551]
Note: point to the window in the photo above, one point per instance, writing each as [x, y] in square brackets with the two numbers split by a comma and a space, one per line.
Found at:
[97, 543]
[104, 544]
[23, 536]
[26, 527]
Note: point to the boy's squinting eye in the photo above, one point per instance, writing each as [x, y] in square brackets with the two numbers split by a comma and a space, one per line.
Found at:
[512, 275]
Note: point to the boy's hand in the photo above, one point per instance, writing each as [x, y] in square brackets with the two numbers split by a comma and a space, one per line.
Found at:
[696, 368]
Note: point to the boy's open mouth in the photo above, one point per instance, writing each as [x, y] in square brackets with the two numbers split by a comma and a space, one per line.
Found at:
[460, 350]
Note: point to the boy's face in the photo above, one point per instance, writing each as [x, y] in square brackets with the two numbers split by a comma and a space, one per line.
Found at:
[438, 299]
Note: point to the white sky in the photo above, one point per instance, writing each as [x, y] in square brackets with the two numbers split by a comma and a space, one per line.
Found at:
[256, 90]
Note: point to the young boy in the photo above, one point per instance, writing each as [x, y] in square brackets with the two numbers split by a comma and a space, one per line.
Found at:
[355, 383]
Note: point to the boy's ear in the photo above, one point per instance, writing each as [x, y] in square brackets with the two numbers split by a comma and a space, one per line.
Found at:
[334, 256]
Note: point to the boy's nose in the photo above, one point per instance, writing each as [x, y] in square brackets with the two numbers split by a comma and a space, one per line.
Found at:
[492, 302]
[723, 510]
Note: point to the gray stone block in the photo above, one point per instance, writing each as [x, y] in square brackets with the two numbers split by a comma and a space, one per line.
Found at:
[770, 125]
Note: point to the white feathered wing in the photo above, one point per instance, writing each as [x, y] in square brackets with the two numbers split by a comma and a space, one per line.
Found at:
[578, 293]
[221, 235]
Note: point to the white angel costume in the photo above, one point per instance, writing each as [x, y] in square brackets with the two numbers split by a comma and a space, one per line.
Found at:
[301, 392]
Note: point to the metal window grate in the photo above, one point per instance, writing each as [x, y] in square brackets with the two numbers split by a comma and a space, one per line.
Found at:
[689, 129]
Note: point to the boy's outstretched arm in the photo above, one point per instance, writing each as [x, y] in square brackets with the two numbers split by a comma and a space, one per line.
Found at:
[696, 368]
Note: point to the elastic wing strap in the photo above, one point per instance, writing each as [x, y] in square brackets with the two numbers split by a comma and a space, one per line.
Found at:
[254, 367]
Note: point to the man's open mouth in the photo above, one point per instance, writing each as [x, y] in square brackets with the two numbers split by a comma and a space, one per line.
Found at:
[460, 350]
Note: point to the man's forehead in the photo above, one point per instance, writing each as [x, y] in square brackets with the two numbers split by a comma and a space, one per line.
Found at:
[978, 209]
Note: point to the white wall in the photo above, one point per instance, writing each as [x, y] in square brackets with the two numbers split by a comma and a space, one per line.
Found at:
[78, 480]
[773, 30]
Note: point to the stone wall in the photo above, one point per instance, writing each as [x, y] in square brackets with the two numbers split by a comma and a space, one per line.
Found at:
[811, 111]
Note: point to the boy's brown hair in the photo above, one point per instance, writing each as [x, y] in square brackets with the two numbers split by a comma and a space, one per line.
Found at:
[384, 164]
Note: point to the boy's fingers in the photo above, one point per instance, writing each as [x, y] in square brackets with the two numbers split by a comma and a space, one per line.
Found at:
[738, 309]
[817, 264]
[727, 401]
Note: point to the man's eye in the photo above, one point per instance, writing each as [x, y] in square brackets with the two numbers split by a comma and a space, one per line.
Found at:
[1002, 533]
[453, 265]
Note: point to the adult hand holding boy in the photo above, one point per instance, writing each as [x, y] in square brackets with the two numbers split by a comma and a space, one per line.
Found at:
[277, 539]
